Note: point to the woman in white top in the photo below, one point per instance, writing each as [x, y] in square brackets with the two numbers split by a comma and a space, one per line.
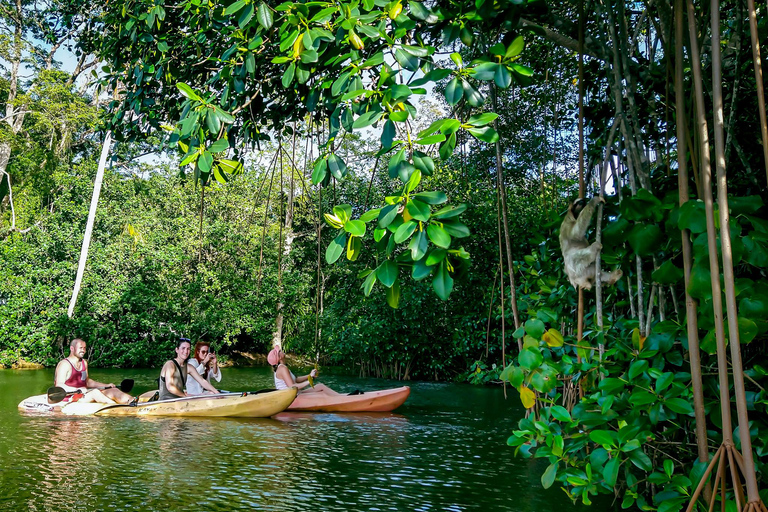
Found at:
[205, 363]
[284, 377]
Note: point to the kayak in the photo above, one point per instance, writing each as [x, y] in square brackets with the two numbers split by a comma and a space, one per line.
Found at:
[370, 401]
[229, 405]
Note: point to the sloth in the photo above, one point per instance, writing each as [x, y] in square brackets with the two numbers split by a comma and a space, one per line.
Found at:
[578, 254]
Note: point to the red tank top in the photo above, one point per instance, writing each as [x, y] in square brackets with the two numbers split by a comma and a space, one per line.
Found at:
[78, 379]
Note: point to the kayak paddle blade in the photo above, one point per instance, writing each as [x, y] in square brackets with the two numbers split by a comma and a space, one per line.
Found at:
[56, 395]
[126, 386]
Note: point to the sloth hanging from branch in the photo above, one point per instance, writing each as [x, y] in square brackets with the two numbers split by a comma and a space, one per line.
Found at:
[578, 254]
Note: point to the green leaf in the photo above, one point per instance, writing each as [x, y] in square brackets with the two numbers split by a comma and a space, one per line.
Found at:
[611, 471]
[641, 460]
[288, 75]
[406, 60]
[232, 9]
[355, 227]
[393, 295]
[438, 236]
[370, 215]
[637, 368]
[387, 273]
[485, 134]
[667, 273]
[485, 70]
[418, 210]
[367, 119]
[645, 239]
[431, 197]
[318, 174]
[521, 70]
[205, 162]
[219, 146]
[692, 217]
[337, 166]
[423, 163]
[405, 231]
[308, 56]
[388, 134]
[450, 212]
[188, 92]
[387, 215]
[370, 280]
[603, 437]
[453, 92]
[679, 405]
[474, 98]
[530, 358]
[442, 282]
[515, 48]
[482, 119]
[418, 245]
[354, 248]
[432, 139]
[560, 413]
[336, 248]
[548, 478]
[420, 269]
[535, 328]
[502, 77]
[456, 229]
[664, 380]
[436, 256]
[447, 147]
[265, 16]
[245, 16]
[747, 329]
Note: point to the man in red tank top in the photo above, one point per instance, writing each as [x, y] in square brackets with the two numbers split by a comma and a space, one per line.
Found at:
[72, 375]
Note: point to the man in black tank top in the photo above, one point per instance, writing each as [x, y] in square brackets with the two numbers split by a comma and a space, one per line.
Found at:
[174, 374]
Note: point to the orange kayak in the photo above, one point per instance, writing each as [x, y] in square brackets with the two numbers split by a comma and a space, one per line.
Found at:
[370, 401]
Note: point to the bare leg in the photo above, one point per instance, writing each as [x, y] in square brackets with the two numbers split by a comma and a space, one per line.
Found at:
[319, 388]
[95, 395]
[117, 395]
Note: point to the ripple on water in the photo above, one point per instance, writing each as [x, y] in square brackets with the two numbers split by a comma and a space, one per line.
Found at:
[444, 450]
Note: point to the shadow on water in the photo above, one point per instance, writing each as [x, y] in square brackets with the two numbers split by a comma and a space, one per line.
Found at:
[443, 450]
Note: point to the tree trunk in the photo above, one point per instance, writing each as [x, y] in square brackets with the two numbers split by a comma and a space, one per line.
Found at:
[91, 218]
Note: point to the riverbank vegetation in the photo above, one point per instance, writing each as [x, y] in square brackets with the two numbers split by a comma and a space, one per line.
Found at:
[380, 185]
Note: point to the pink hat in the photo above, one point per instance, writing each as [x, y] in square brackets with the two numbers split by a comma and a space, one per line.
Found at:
[274, 356]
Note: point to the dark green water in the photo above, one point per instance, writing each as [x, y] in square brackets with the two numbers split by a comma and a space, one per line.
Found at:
[443, 450]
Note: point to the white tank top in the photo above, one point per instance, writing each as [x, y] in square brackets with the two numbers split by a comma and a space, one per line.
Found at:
[280, 383]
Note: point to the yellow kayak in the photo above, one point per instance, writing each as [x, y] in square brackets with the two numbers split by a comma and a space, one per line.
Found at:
[226, 405]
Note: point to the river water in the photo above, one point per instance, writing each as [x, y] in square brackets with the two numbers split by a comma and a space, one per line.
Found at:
[444, 450]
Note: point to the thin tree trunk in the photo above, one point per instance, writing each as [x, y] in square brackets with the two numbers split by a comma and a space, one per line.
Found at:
[691, 304]
[503, 205]
[706, 186]
[725, 242]
[758, 79]
[91, 218]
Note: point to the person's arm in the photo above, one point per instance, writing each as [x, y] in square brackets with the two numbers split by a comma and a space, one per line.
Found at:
[215, 371]
[63, 371]
[285, 374]
[305, 378]
[169, 369]
[199, 378]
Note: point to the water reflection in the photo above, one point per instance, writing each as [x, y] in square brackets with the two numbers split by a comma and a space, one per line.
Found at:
[444, 450]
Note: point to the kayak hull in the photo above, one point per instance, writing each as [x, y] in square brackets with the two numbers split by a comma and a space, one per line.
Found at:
[384, 400]
[234, 405]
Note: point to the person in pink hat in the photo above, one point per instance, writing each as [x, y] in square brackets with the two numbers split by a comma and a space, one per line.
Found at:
[284, 377]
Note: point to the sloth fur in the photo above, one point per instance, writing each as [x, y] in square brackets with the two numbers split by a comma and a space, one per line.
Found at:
[578, 254]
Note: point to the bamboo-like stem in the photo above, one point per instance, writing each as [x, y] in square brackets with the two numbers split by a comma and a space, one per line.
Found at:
[703, 481]
[691, 304]
[730, 289]
[503, 207]
[719, 477]
[758, 79]
[714, 265]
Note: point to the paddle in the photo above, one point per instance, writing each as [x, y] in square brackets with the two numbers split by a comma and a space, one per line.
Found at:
[57, 394]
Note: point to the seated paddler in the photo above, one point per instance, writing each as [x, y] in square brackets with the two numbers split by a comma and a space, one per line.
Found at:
[174, 374]
[72, 375]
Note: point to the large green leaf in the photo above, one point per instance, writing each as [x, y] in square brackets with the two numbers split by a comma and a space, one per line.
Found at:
[418, 210]
[337, 166]
[453, 92]
[438, 236]
[645, 239]
[530, 358]
[355, 227]
[423, 163]
[442, 282]
[432, 197]
[421, 270]
[692, 217]
[548, 477]
[456, 229]
[387, 273]
[265, 16]
[450, 212]
[393, 295]
[387, 215]
[667, 273]
[336, 248]
[418, 245]
[405, 231]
